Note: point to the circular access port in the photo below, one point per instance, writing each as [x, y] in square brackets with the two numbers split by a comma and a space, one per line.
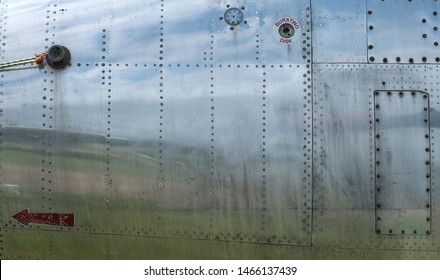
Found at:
[56, 53]
[233, 16]
[58, 57]
[286, 30]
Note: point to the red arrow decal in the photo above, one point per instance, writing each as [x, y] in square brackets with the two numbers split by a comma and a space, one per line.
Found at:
[54, 219]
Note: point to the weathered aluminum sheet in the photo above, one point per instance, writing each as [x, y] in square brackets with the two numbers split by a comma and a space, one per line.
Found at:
[403, 31]
[339, 31]
[403, 162]
[345, 156]
[167, 124]
[218, 129]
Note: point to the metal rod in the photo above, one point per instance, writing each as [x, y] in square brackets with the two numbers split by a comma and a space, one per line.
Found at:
[17, 62]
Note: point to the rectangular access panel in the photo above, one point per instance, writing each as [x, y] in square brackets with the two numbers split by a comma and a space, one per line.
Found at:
[403, 164]
[403, 31]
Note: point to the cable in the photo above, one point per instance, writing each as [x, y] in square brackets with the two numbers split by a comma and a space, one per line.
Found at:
[38, 59]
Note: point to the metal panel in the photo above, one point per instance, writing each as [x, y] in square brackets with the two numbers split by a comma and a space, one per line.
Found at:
[162, 130]
[138, 42]
[271, 50]
[339, 31]
[21, 105]
[187, 32]
[35, 35]
[286, 154]
[255, 39]
[78, 25]
[220, 169]
[403, 166]
[403, 31]
[345, 157]
[343, 191]
[174, 135]
[255, 156]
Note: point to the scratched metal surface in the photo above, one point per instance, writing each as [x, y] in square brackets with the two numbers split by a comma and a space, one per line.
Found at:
[339, 31]
[346, 174]
[173, 135]
[403, 166]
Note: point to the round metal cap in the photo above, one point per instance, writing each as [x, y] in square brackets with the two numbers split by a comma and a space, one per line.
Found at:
[56, 53]
[286, 30]
[58, 57]
[233, 16]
